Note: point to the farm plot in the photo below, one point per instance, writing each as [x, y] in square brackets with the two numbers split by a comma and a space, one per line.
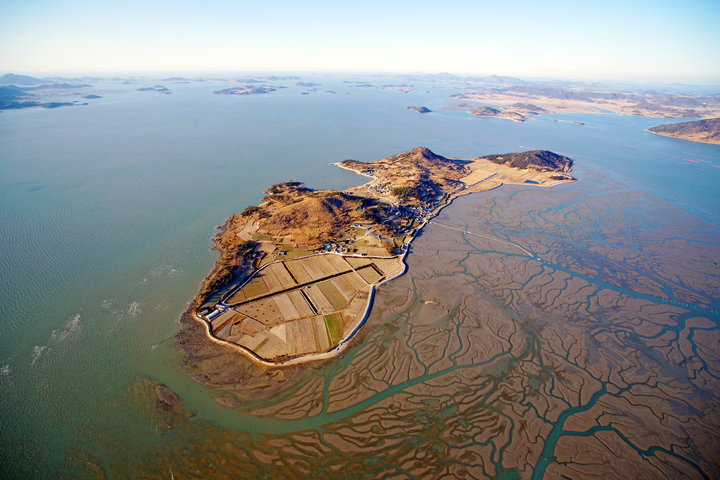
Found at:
[318, 299]
[295, 267]
[369, 274]
[265, 311]
[302, 306]
[336, 299]
[340, 264]
[303, 338]
[312, 267]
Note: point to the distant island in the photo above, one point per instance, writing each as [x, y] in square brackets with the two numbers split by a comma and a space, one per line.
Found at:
[15, 98]
[419, 109]
[156, 88]
[249, 90]
[297, 273]
[705, 131]
[396, 88]
[271, 78]
[557, 99]
[494, 112]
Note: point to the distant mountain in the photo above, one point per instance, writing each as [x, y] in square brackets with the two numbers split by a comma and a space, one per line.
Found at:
[706, 131]
[448, 77]
[11, 93]
[75, 79]
[60, 86]
[12, 79]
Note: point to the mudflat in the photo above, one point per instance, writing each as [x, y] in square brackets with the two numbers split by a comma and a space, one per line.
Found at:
[547, 333]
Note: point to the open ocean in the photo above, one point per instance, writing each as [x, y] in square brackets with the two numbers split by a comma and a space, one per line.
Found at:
[107, 213]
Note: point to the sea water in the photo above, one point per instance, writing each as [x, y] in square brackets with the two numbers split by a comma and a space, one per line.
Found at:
[107, 212]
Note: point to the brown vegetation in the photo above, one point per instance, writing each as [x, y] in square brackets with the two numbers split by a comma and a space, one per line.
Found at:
[706, 131]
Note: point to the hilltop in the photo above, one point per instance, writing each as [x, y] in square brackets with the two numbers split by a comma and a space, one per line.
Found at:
[539, 160]
[494, 112]
[415, 176]
[25, 80]
[706, 131]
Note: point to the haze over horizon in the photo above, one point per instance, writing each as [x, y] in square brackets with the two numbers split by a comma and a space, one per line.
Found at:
[643, 41]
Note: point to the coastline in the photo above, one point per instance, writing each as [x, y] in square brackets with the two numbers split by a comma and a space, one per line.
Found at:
[344, 342]
[668, 135]
[250, 271]
[310, 357]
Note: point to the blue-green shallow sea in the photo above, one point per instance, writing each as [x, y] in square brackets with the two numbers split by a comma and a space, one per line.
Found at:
[107, 211]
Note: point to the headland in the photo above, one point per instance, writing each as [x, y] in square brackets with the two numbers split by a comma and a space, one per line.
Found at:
[297, 273]
[704, 131]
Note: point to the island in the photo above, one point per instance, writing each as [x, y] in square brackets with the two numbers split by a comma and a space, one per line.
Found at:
[395, 88]
[156, 88]
[249, 90]
[705, 131]
[14, 98]
[297, 273]
[555, 99]
[494, 112]
[419, 109]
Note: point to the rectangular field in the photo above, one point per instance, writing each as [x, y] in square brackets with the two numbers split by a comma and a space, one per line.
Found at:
[355, 280]
[302, 338]
[265, 311]
[286, 307]
[321, 330]
[369, 274]
[336, 299]
[324, 265]
[298, 271]
[357, 262]
[300, 304]
[340, 264]
[318, 298]
[344, 287]
[255, 288]
[237, 297]
[312, 268]
[283, 275]
[330, 325]
[389, 267]
[271, 280]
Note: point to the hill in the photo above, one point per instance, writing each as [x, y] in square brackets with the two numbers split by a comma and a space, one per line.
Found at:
[12, 92]
[416, 176]
[407, 188]
[12, 79]
[540, 160]
[494, 112]
[706, 131]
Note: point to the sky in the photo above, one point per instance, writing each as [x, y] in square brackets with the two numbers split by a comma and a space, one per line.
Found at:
[661, 40]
